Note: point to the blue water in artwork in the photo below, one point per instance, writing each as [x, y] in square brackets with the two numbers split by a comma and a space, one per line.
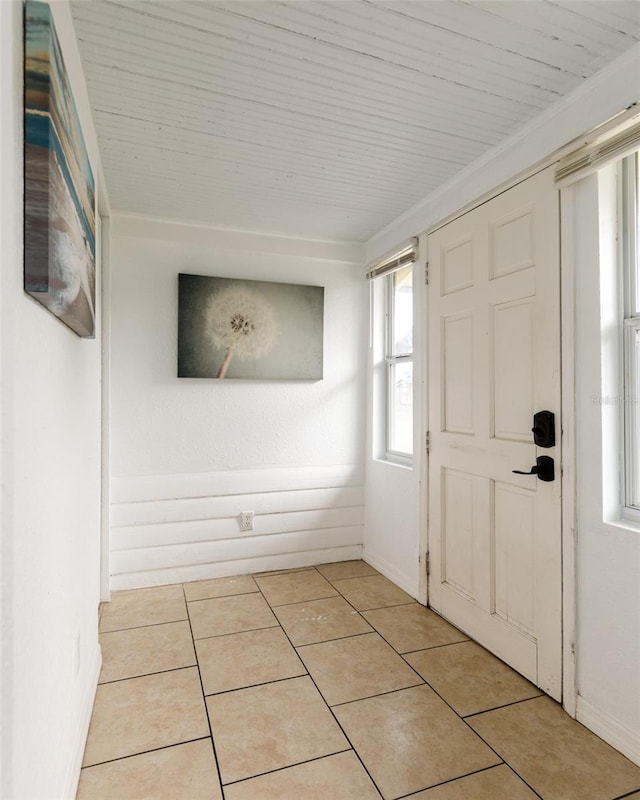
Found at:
[40, 131]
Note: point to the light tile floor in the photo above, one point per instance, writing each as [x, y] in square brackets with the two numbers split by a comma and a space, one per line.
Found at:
[327, 683]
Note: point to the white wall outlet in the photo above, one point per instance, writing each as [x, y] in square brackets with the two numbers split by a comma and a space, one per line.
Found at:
[246, 520]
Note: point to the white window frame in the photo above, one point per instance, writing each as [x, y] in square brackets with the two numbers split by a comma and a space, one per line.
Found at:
[391, 360]
[628, 238]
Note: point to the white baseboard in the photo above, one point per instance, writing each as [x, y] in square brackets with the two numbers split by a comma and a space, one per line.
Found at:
[610, 729]
[389, 571]
[80, 738]
[223, 569]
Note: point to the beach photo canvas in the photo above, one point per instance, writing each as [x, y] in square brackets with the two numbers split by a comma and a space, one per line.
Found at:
[250, 330]
[60, 222]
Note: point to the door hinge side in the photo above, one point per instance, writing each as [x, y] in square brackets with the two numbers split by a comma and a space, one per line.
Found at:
[427, 441]
[426, 273]
[427, 563]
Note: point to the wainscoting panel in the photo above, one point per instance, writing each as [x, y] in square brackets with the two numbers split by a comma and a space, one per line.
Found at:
[174, 528]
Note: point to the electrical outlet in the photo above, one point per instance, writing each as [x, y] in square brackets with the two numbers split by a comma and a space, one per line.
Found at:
[246, 521]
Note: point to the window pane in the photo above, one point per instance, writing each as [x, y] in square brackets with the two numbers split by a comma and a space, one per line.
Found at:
[402, 312]
[401, 407]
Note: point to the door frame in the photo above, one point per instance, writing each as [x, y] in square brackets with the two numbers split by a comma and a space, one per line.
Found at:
[567, 425]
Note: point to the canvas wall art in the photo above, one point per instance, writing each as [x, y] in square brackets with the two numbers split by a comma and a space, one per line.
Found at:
[60, 223]
[251, 330]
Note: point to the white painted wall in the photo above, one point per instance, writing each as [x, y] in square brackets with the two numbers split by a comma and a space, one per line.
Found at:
[174, 439]
[608, 598]
[393, 507]
[50, 400]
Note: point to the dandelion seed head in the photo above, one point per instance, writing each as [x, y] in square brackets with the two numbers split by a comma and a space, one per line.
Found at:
[243, 321]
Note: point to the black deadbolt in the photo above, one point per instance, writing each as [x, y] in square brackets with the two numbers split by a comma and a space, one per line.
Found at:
[543, 468]
[544, 429]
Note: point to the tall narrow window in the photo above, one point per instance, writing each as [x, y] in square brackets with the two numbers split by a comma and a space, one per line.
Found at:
[399, 359]
[629, 238]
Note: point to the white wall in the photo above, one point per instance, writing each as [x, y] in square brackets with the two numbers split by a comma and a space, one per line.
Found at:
[393, 508]
[608, 599]
[50, 396]
[188, 455]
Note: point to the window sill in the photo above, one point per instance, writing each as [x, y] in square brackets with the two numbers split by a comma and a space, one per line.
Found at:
[625, 524]
[393, 462]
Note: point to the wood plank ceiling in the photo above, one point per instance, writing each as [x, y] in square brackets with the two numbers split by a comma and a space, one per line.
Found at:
[322, 118]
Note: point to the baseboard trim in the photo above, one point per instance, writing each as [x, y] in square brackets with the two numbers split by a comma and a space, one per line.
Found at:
[224, 569]
[389, 571]
[80, 739]
[614, 732]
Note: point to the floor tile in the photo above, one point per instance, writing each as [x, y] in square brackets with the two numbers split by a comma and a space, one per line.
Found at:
[282, 571]
[362, 666]
[339, 777]
[554, 754]
[411, 740]
[272, 726]
[497, 783]
[140, 714]
[222, 615]
[469, 678]
[246, 659]
[320, 620]
[373, 591]
[219, 587]
[142, 651]
[413, 627]
[137, 607]
[294, 587]
[185, 771]
[346, 569]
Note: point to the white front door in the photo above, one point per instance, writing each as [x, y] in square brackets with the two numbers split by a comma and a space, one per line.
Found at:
[494, 360]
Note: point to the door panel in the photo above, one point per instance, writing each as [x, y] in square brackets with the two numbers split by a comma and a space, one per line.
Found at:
[494, 360]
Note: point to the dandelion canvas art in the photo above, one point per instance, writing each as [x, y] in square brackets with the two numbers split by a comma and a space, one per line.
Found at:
[59, 197]
[251, 330]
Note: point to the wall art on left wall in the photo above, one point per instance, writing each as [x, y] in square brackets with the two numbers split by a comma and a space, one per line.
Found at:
[59, 197]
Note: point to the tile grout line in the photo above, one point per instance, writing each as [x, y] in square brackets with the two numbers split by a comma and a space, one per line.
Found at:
[511, 767]
[462, 719]
[432, 647]
[144, 752]
[148, 674]
[204, 699]
[300, 602]
[497, 708]
[402, 656]
[453, 780]
[377, 788]
[335, 639]
[426, 683]
[287, 766]
[234, 633]
[219, 596]
[256, 685]
[148, 625]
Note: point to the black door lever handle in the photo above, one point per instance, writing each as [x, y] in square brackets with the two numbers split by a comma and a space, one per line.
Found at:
[543, 468]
